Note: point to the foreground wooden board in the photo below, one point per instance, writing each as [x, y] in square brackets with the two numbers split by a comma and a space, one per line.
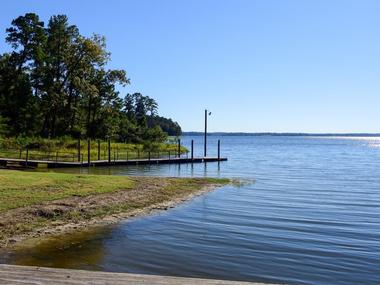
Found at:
[22, 275]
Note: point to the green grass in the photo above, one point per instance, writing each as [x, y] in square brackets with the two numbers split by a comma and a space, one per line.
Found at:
[19, 188]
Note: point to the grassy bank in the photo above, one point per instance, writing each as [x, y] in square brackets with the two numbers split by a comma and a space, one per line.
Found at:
[34, 204]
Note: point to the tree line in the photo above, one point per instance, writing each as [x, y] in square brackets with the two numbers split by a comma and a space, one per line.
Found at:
[55, 82]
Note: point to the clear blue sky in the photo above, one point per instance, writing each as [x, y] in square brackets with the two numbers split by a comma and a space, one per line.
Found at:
[280, 66]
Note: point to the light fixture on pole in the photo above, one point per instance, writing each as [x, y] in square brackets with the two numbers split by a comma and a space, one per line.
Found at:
[207, 113]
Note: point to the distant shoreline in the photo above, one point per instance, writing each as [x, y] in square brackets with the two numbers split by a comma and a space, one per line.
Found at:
[283, 134]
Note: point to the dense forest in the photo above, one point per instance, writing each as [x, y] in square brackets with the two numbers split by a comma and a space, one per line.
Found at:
[55, 82]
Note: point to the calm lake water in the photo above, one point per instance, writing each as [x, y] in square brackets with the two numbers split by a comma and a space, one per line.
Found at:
[308, 214]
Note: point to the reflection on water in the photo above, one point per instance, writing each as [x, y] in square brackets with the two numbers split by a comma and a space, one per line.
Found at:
[81, 250]
[311, 217]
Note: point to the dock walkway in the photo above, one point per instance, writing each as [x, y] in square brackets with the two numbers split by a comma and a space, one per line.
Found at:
[31, 275]
[59, 164]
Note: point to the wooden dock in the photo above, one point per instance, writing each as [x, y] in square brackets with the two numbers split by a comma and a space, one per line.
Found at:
[22, 275]
[25, 158]
[14, 162]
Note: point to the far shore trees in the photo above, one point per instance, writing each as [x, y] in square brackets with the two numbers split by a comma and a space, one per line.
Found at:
[55, 82]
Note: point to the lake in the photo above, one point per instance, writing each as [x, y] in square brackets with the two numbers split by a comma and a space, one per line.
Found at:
[308, 212]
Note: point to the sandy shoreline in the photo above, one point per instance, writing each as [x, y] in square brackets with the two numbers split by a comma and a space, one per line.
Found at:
[58, 227]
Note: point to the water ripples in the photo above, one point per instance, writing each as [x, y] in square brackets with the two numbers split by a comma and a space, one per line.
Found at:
[302, 211]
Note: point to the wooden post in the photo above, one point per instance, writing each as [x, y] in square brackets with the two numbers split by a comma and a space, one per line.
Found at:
[56, 156]
[149, 155]
[78, 148]
[27, 156]
[218, 150]
[192, 149]
[138, 154]
[88, 151]
[98, 149]
[169, 154]
[179, 148]
[109, 151]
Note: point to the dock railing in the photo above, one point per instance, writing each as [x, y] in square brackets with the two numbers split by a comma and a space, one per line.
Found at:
[94, 151]
[92, 154]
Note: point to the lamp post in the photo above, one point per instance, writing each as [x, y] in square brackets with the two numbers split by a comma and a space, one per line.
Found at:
[207, 113]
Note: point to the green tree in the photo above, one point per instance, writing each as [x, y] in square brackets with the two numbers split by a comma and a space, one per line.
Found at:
[55, 82]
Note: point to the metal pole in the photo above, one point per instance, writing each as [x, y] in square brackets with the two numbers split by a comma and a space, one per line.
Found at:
[109, 151]
[218, 149]
[192, 149]
[88, 151]
[205, 143]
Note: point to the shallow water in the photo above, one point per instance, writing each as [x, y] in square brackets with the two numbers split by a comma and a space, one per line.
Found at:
[311, 216]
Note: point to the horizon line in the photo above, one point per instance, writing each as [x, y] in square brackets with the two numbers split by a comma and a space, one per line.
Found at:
[285, 133]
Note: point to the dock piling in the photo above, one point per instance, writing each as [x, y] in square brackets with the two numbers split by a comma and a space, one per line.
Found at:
[78, 149]
[109, 151]
[179, 148]
[218, 149]
[192, 149]
[88, 152]
[27, 156]
[98, 149]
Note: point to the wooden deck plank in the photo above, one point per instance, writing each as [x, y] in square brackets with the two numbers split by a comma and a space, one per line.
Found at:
[15, 275]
